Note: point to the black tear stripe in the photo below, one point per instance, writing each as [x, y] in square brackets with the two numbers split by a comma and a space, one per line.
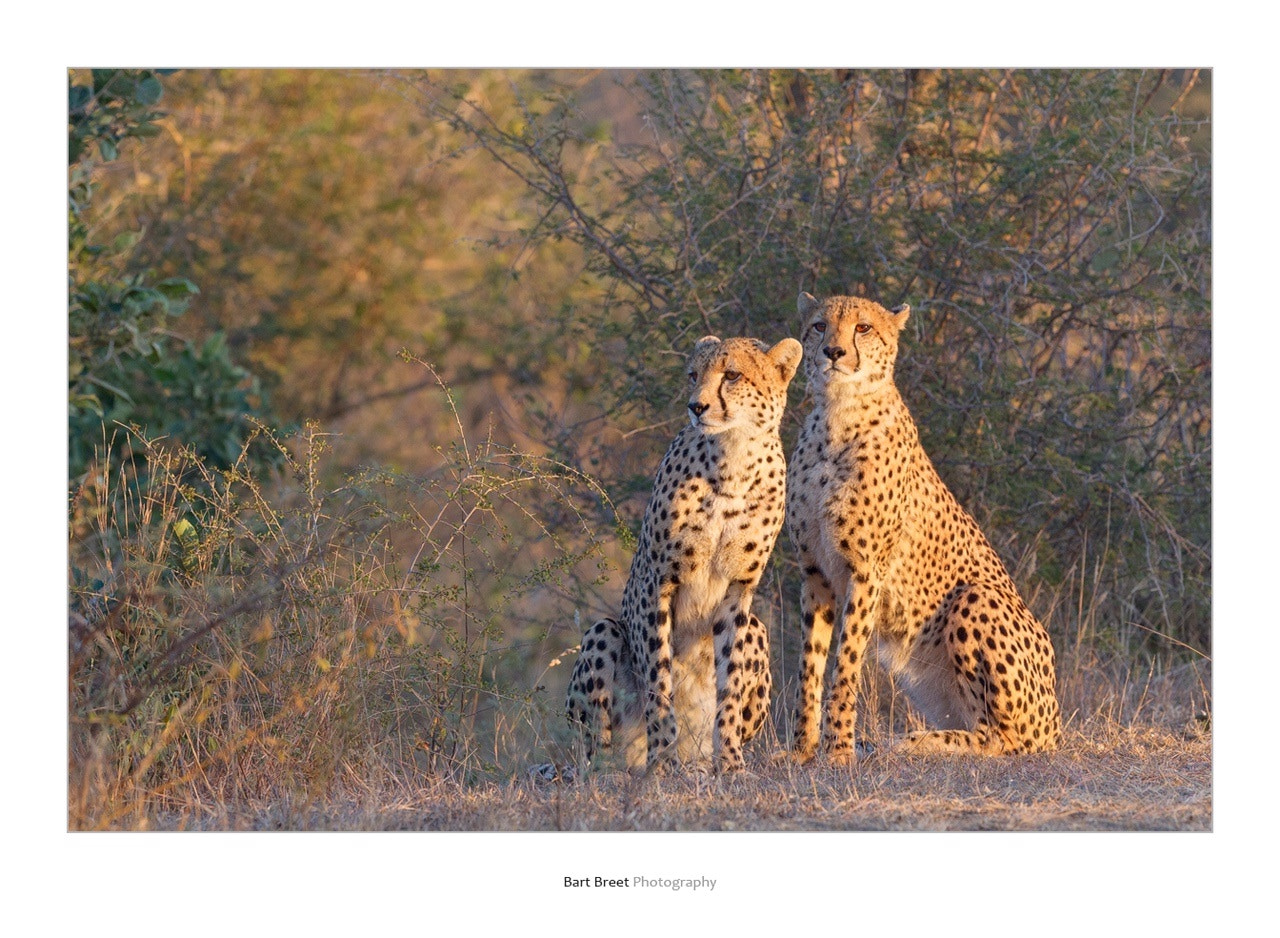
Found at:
[724, 407]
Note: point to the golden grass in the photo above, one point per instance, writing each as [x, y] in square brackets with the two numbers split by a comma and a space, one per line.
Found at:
[391, 655]
[1105, 778]
[1136, 756]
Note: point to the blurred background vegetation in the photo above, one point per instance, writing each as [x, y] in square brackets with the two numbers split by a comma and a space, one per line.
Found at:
[369, 373]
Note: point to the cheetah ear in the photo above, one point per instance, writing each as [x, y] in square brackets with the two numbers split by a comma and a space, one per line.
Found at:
[704, 344]
[786, 355]
[900, 314]
[806, 304]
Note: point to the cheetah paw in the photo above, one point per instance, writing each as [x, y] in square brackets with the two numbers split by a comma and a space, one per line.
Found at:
[547, 773]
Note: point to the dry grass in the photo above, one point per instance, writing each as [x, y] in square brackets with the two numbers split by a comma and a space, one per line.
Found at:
[390, 654]
[1136, 756]
[1103, 779]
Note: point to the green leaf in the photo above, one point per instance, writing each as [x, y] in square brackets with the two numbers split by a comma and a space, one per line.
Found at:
[149, 90]
[123, 86]
[189, 543]
[77, 97]
[214, 347]
[108, 149]
[78, 402]
[125, 241]
[101, 76]
[177, 288]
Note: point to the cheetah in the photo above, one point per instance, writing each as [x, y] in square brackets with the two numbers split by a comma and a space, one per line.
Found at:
[892, 564]
[684, 674]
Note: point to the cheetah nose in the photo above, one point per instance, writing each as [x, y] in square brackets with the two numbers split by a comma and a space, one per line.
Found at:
[834, 352]
[698, 409]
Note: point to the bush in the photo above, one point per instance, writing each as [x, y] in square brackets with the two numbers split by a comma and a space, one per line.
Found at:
[125, 365]
[234, 640]
[1050, 230]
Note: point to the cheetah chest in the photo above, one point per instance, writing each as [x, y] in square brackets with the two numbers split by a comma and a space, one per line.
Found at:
[723, 535]
[847, 498]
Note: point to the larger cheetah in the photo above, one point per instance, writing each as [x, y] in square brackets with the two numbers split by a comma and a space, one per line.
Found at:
[686, 671]
[887, 554]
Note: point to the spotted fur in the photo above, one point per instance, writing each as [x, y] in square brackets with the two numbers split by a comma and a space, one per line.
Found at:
[892, 564]
[684, 673]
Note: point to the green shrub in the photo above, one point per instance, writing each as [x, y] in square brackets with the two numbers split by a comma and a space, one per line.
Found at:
[125, 365]
[235, 639]
[1051, 230]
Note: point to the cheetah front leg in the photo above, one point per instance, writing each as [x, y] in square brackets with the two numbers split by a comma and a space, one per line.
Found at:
[732, 621]
[601, 698]
[654, 651]
[855, 632]
[751, 659]
[818, 615]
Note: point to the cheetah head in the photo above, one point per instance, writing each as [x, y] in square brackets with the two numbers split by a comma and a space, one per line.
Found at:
[739, 384]
[850, 343]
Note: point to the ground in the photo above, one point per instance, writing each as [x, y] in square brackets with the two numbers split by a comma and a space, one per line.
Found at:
[1108, 778]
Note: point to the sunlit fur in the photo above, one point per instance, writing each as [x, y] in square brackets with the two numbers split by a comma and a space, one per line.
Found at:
[685, 670]
[892, 564]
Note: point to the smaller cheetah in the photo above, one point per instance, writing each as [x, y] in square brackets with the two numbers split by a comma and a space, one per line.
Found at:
[892, 564]
[685, 673]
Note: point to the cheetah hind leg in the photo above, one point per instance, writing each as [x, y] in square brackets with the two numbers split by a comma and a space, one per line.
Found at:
[958, 680]
[602, 699]
[979, 741]
[752, 657]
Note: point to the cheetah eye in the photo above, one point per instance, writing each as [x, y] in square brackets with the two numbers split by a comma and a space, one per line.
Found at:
[693, 377]
[862, 328]
[819, 327]
[732, 375]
